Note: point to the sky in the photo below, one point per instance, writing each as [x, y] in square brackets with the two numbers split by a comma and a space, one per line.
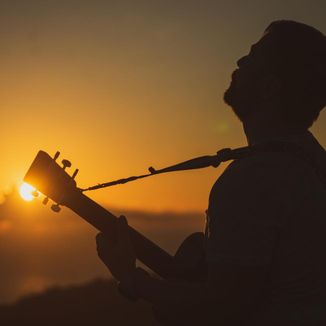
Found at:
[118, 86]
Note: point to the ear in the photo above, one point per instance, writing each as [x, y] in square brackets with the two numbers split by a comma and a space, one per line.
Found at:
[270, 87]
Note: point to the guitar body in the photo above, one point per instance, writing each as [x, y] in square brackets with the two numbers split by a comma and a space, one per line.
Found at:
[191, 255]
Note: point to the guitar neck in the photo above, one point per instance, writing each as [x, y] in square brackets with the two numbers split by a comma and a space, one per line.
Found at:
[154, 257]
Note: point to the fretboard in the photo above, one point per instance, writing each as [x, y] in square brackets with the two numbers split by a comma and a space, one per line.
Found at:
[150, 254]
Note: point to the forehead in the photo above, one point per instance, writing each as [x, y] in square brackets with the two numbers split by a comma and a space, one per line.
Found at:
[265, 48]
[262, 43]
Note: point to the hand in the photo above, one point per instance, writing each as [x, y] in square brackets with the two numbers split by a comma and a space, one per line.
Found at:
[118, 256]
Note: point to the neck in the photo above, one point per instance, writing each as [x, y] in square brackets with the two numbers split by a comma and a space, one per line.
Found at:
[260, 129]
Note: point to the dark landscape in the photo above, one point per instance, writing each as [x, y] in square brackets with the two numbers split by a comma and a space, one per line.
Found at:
[95, 303]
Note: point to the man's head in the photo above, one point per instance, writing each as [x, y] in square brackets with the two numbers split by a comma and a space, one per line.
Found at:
[286, 71]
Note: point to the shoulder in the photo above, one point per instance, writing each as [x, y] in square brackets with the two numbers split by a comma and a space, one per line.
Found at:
[247, 209]
[263, 181]
[264, 170]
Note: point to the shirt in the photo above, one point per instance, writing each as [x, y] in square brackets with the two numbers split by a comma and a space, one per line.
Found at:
[270, 208]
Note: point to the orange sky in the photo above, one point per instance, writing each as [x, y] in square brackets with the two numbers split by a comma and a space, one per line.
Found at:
[120, 86]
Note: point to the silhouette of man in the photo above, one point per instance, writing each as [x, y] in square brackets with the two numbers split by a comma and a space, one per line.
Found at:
[265, 238]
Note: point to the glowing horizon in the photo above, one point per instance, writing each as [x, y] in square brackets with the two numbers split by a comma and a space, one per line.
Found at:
[117, 88]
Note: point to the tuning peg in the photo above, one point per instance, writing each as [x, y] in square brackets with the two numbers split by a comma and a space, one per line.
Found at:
[56, 155]
[66, 164]
[75, 173]
[35, 193]
[56, 208]
[45, 200]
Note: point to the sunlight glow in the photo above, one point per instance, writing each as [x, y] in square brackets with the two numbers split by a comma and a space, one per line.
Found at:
[26, 192]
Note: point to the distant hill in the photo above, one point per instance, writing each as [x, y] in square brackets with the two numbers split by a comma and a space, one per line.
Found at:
[96, 303]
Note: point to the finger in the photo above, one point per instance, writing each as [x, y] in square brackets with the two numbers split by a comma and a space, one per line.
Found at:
[123, 230]
[123, 220]
[123, 233]
[100, 239]
[100, 244]
[104, 250]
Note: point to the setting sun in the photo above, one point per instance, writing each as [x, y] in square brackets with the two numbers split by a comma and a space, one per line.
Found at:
[26, 191]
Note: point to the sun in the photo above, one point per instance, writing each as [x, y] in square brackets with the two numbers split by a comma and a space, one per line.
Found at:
[26, 192]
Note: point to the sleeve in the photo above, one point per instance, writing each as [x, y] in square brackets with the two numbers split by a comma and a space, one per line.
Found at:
[243, 218]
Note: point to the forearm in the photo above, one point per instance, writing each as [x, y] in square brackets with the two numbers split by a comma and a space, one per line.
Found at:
[195, 302]
[162, 292]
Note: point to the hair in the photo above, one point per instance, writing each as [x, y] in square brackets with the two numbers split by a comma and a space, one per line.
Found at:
[297, 57]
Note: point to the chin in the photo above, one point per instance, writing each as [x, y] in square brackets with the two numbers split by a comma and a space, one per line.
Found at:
[238, 106]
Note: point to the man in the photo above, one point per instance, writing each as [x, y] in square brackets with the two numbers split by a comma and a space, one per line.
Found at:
[265, 241]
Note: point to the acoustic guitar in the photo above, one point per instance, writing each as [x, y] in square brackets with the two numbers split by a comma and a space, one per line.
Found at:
[52, 180]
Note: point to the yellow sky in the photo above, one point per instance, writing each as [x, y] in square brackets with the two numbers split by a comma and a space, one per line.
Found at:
[120, 86]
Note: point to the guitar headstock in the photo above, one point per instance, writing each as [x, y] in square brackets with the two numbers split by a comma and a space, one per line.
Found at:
[51, 179]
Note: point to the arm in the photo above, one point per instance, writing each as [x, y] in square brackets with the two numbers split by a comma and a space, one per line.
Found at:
[227, 284]
[241, 238]
[228, 290]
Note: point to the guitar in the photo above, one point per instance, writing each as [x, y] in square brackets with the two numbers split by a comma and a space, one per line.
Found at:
[52, 180]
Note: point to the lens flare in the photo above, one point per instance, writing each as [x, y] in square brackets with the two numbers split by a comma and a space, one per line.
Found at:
[26, 192]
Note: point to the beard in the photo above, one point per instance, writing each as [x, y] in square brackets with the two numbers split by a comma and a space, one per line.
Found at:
[239, 100]
[229, 96]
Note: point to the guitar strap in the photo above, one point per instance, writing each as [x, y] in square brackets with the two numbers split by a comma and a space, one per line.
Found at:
[224, 155]
[297, 151]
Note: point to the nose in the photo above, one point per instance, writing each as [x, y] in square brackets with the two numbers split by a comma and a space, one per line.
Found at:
[242, 61]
